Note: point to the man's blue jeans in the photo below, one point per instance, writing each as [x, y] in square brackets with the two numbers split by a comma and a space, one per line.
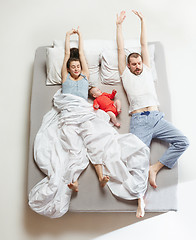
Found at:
[149, 125]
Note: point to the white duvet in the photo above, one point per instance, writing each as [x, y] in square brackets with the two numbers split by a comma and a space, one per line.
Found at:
[71, 134]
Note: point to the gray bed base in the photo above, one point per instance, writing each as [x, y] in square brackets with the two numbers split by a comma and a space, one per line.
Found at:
[92, 198]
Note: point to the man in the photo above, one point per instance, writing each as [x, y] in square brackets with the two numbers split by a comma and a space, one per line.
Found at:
[146, 121]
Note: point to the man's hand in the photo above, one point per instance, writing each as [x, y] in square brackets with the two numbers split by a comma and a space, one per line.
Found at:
[120, 18]
[139, 14]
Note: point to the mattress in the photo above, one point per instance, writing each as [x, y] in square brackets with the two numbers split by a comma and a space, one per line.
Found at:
[91, 197]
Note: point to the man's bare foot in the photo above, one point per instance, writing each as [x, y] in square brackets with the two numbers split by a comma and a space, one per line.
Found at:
[154, 169]
[152, 177]
[104, 180]
[140, 209]
[73, 186]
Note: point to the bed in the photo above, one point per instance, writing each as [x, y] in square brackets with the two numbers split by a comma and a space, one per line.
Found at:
[91, 197]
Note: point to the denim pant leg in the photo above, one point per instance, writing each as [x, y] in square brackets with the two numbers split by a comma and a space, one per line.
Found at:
[139, 126]
[165, 131]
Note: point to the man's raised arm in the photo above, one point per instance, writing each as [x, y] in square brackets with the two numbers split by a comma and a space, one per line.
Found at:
[120, 43]
[143, 40]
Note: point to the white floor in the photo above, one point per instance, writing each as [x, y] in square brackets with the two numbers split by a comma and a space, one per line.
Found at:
[26, 25]
[169, 225]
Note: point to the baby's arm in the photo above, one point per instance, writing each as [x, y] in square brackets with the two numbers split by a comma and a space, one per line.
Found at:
[95, 104]
[112, 95]
[64, 71]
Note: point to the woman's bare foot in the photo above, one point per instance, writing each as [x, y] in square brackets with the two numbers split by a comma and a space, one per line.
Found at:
[73, 186]
[104, 180]
[140, 209]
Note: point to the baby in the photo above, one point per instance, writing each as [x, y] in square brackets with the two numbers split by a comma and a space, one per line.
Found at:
[104, 102]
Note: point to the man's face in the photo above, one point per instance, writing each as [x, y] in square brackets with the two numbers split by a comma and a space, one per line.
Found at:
[135, 65]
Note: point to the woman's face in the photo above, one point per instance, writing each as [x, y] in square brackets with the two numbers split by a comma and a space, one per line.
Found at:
[75, 69]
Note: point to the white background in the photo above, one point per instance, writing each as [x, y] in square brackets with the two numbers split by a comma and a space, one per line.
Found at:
[28, 24]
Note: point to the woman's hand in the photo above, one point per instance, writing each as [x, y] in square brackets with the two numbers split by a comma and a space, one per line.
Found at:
[77, 31]
[120, 18]
[71, 32]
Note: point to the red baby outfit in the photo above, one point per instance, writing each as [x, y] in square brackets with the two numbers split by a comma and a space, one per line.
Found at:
[105, 103]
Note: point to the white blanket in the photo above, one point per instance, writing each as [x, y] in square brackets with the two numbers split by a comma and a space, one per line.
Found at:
[73, 133]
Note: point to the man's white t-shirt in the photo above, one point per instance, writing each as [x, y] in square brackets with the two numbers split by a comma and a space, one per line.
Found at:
[140, 89]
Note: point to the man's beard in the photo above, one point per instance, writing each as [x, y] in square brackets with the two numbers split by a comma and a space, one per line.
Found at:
[137, 71]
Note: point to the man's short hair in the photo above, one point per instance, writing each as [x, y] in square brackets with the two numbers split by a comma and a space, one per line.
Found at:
[134, 55]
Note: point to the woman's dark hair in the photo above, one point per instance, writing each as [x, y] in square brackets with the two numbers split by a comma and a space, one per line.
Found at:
[74, 56]
[74, 53]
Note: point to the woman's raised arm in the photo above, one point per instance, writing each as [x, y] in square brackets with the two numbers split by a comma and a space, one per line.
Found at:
[64, 71]
[85, 69]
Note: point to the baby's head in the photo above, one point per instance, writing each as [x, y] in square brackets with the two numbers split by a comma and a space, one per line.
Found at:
[95, 92]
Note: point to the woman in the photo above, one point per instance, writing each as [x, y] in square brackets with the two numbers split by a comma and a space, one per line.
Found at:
[75, 75]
